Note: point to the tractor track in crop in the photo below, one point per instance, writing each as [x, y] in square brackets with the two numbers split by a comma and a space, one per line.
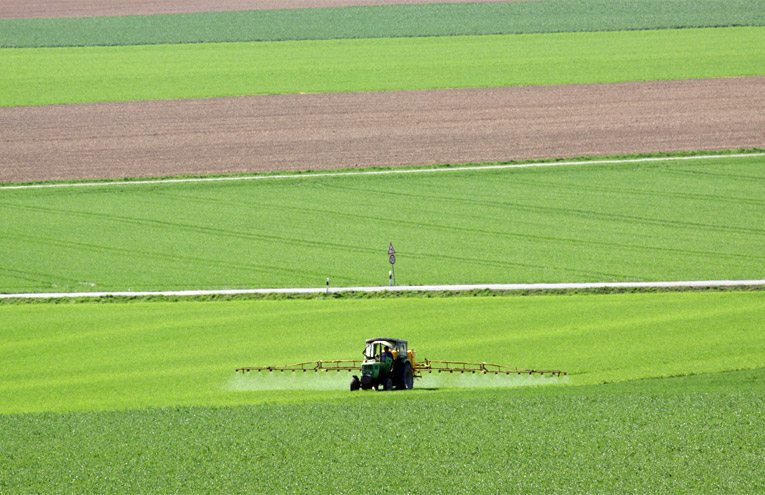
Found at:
[387, 129]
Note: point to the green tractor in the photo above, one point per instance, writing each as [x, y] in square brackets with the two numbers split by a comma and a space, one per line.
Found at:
[387, 364]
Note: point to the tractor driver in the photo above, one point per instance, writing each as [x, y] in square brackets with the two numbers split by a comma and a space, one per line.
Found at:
[386, 355]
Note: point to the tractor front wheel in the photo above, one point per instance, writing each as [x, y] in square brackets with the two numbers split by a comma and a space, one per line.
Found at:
[388, 384]
[355, 383]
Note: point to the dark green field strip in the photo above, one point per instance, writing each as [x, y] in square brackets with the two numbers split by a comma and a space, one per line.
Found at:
[702, 434]
[684, 220]
[45, 76]
[383, 22]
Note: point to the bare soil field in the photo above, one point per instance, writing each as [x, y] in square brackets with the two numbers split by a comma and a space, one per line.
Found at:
[346, 130]
[15, 9]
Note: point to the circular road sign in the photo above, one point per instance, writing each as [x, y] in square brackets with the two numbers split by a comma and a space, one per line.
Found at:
[392, 259]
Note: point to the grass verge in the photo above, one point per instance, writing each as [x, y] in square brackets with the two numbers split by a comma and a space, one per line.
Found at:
[351, 294]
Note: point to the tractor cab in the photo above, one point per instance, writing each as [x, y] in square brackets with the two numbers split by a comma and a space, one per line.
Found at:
[375, 349]
[387, 369]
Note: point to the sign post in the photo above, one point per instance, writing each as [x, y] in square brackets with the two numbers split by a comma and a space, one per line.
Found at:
[392, 260]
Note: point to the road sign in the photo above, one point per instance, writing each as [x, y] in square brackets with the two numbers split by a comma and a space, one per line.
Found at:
[392, 259]
[390, 249]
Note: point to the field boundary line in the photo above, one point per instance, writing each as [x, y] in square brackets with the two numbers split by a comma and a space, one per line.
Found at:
[401, 288]
[376, 172]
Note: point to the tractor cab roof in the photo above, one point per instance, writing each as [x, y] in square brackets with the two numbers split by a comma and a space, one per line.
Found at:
[387, 340]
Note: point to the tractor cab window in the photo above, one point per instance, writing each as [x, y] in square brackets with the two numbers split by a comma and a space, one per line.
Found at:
[374, 350]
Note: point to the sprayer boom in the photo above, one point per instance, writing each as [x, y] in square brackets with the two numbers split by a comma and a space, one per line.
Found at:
[427, 367]
[316, 366]
[482, 368]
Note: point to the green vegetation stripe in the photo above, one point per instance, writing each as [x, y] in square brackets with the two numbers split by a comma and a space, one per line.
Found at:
[383, 22]
[41, 76]
[125, 356]
[702, 434]
[676, 220]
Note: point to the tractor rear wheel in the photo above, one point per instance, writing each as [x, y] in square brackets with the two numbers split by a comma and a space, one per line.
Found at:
[408, 377]
[355, 383]
[405, 377]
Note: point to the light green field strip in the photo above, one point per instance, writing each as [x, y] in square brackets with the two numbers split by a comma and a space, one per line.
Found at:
[41, 76]
[655, 221]
[115, 356]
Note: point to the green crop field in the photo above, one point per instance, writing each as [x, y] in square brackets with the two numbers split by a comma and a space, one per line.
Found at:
[694, 435]
[382, 22]
[700, 433]
[674, 220]
[42, 76]
[664, 392]
[117, 356]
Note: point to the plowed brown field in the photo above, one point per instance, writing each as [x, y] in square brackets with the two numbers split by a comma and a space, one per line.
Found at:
[324, 131]
[13, 9]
